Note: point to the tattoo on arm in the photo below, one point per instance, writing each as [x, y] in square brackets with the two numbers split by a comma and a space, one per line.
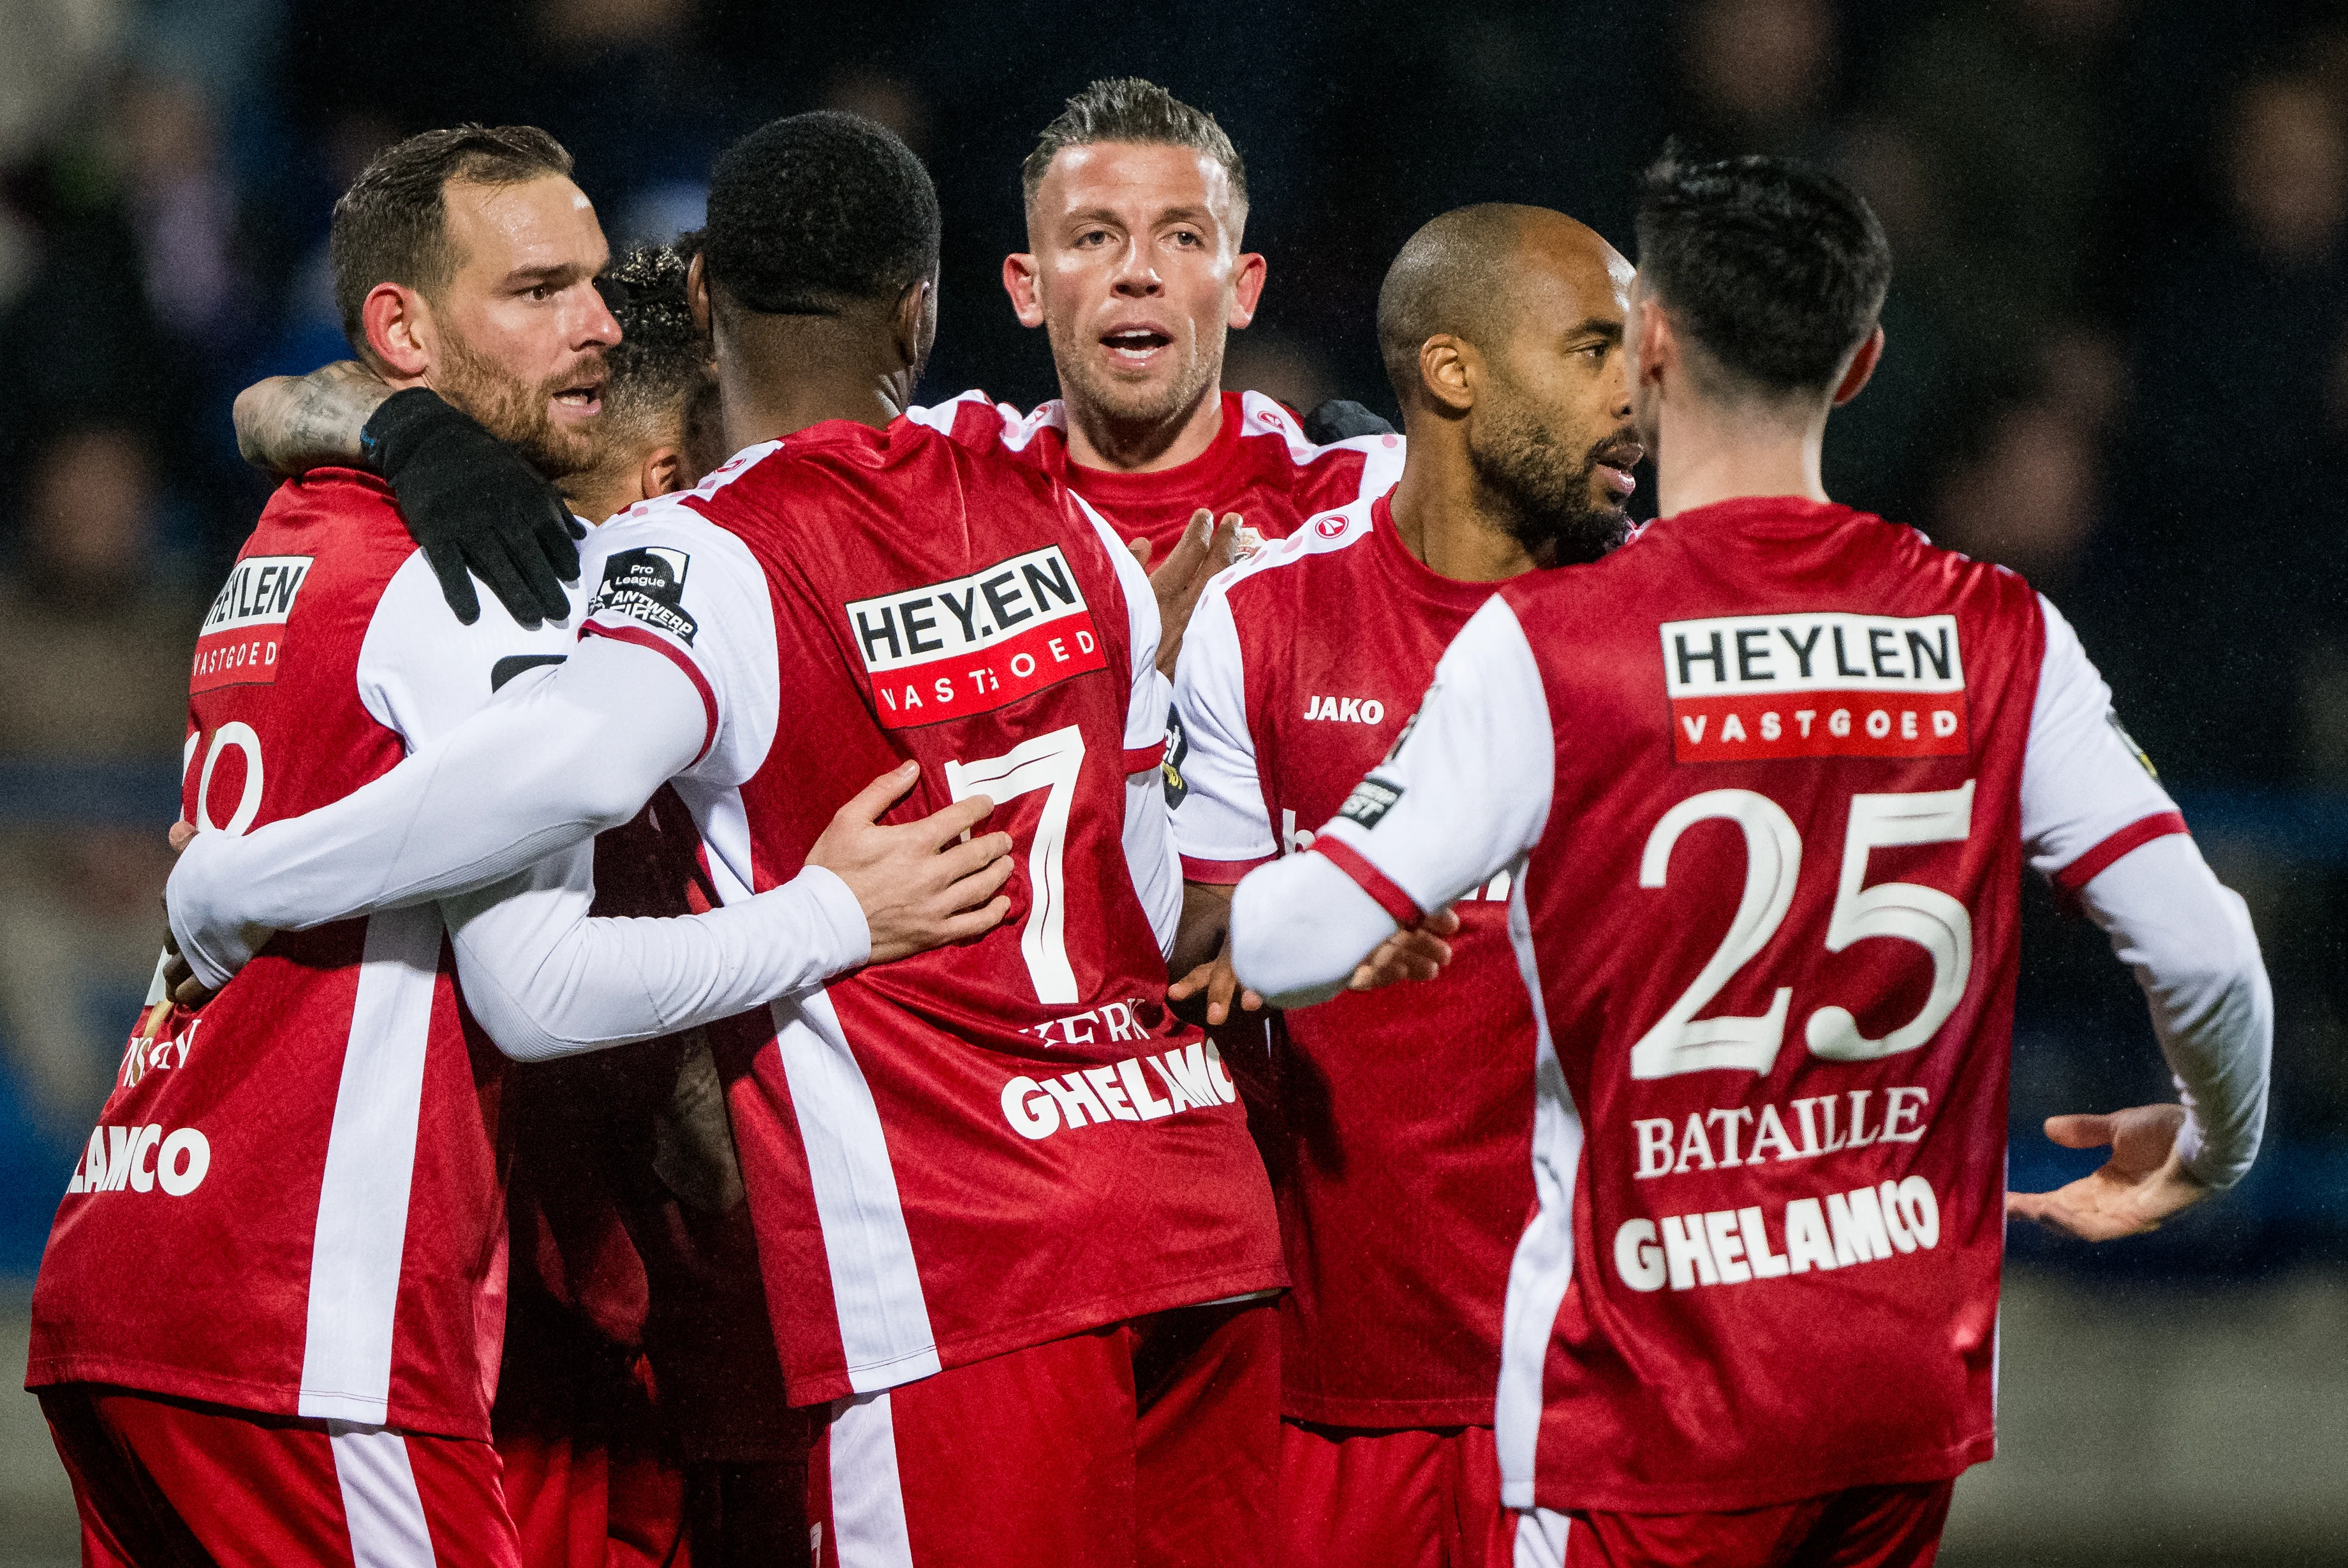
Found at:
[291, 424]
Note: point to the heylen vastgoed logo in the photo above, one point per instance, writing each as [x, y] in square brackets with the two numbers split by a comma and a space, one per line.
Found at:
[1825, 684]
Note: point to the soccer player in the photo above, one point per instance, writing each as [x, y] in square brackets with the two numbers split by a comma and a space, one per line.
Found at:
[259, 1330]
[1764, 779]
[1405, 1138]
[1013, 1231]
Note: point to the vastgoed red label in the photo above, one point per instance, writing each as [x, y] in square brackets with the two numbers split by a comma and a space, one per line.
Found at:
[1823, 684]
[948, 650]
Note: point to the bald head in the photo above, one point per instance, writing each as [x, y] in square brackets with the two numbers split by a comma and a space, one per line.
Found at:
[1469, 274]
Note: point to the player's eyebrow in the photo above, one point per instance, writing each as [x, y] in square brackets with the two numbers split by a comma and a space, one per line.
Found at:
[553, 273]
[1599, 327]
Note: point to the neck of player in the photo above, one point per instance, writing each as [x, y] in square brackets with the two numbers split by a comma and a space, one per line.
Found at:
[779, 374]
[1708, 452]
[1449, 517]
[1098, 439]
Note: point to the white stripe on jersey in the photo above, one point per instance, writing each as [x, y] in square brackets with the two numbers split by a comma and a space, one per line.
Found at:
[868, 1494]
[1543, 1264]
[362, 1228]
[381, 1507]
[876, 1284]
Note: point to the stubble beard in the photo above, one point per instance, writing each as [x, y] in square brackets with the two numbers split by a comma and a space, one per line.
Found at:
[1130, 406]
[1545, 492]
[519, 414]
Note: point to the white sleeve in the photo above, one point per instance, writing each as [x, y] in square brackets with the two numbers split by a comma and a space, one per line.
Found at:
[1221, 825]
[1148, 836]
[1464, 795]
[2099, 826]
[2189, 939]
[2087, 794]
[546, 979]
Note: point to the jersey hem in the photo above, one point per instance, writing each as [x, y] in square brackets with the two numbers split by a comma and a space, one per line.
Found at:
[1936, 1464]
[1043, 1330]
[1220, 874]
[256, 1397]
[1370, 1415]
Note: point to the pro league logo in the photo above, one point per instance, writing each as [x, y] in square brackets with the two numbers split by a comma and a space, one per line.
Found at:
[647, 585]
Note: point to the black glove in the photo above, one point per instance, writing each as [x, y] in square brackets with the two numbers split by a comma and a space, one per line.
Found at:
[1340, 420]
[476, 507]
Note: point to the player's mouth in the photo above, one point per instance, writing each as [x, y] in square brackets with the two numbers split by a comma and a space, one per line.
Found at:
[1137, 346]
[1614, 462]
[582, 402]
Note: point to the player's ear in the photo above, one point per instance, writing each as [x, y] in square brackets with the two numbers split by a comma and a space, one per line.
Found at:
[1449, 369]
[1658, 347]
[398, 328]
[915, 324]
[697, 293]
[1863, 366]
[1247, 288]
[1019, 270]
[663, 470]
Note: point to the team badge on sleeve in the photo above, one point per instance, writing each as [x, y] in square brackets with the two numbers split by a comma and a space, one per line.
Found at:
[647, 585]
[1746, 688]
[971, 645]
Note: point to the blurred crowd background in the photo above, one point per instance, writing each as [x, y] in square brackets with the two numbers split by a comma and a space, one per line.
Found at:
[2117, 362]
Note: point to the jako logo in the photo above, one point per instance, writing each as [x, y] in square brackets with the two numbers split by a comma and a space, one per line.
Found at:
[1347, 709]
[142, 1158]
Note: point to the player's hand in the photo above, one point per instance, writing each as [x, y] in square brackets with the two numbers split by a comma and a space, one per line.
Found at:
[1219, 984]
[920, 886]
[1415, 952]
[477, 509]
[1205, 548]
[2140, 1186]
[179, 982]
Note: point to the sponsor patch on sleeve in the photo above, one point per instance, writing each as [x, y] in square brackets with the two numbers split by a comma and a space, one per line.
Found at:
[647, 585]
[1177, 749]
[971, 645]
[244, 633]
[2143, 758]
[1748, 689]
[1371, 799]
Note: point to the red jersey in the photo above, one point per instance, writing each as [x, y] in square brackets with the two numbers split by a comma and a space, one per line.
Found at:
[293, 1203]
[1408, 1113]
[1259, 465]
[1765, 776]
[1000, 1142]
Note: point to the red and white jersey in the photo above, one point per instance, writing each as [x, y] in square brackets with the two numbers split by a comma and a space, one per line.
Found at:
[1000, 1143]
[1406, 1113]
[1766, 777]
[293, 1203]
[1259, 465]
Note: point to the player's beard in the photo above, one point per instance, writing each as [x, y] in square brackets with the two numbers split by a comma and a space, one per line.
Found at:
[518, 413]
[1139, 406]
[1548, 493]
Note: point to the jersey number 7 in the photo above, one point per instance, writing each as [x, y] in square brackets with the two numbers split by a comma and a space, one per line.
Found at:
[1680, 1042]
[1050, 763]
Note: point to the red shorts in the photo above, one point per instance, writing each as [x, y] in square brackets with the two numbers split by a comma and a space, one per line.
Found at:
[1147, 1444]
[166, 1481]
[1413, 1498]
[583, 1504]
[1862, 1527]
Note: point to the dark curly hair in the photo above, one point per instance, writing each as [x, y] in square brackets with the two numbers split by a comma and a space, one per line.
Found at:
[662, 359]
[1776, 269]
[813, 213]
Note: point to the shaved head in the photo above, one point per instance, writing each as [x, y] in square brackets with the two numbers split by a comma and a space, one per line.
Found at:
[1501, 328]
[1466, 273]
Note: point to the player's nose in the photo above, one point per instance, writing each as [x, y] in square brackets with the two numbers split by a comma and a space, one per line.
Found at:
[595, 325]
[1134, 275]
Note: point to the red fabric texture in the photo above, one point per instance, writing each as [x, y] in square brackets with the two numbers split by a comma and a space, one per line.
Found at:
[1417, 1498]
[1862, 1527]
[165, 1482]
[1146, 1444]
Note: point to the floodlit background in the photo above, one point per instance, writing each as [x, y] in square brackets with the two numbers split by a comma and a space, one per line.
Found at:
[2118, 362]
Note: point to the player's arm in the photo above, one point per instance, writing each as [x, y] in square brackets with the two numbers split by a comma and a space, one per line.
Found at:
[1465, 794]
[546, 979]
[473, 504]
[2106, 833]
